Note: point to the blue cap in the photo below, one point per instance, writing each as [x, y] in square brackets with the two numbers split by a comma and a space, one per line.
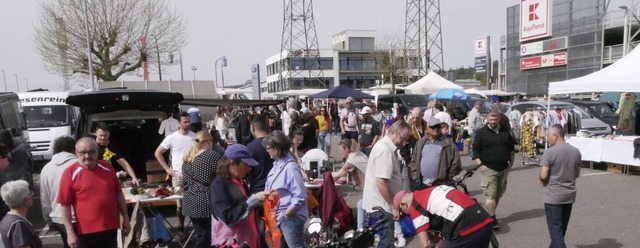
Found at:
[241, 152]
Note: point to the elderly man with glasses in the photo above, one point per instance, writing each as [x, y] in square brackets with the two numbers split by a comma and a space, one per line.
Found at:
[435, 159]
[383, 179]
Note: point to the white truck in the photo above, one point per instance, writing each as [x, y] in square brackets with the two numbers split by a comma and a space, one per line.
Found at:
[48, 117]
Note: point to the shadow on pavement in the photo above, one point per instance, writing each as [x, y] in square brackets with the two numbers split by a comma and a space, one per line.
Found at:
[603, 243]
[522, 215]
[523, 167]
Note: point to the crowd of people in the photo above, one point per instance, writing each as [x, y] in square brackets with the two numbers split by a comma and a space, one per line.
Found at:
[253, 191]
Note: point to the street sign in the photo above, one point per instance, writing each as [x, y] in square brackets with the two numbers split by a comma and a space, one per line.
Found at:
[554, 44]
[481, 64]
[547, 60]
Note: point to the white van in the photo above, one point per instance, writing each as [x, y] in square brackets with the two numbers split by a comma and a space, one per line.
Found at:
[48, 117]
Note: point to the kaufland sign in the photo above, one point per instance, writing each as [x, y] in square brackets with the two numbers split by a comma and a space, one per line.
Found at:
[535, 19]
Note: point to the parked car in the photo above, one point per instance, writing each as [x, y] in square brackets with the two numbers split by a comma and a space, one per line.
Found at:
[406, 102]
[15, 135]
[587, 121]
[462, 107]
[600, 110]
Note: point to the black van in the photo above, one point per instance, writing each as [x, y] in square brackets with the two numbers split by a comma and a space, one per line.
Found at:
[134, 116]
[14, 134]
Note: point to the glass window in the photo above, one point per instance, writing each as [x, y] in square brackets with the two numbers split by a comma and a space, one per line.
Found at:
[47, 116]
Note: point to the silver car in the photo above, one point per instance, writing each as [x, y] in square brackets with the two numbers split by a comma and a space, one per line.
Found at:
[587, 121]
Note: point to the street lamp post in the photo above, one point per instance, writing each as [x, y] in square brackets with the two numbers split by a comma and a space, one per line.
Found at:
[194, 69]
[4, 77]
[89, 57]
[26, 80]
[215, 69]
[181, 70]
[158, 58]
[17, 83]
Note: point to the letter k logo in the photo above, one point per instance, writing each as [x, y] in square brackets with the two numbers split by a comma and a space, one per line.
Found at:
[532, 12]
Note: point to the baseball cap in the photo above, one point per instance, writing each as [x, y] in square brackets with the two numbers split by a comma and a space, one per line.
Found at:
[350, 99]
[397, 199]
[304, 110]
[237, 151]
[433, 121]
[365, 110]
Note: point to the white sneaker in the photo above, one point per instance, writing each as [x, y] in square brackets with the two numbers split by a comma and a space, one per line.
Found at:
[400, 241]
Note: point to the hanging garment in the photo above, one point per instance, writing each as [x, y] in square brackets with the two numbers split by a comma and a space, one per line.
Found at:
[527, 135]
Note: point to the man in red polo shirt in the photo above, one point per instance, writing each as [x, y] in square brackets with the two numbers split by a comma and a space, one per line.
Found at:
[91, 187]
[461, 221]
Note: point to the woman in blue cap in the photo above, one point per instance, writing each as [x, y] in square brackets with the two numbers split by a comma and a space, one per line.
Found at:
[232, 205]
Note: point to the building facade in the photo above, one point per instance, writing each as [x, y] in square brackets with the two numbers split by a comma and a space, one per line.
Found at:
[353, 61]
[583, 37]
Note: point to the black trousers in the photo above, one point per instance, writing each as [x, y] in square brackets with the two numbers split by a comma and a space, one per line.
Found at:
[63, 232]
[104, 239]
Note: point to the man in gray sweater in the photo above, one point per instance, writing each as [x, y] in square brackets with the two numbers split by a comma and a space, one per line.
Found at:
[63, 149]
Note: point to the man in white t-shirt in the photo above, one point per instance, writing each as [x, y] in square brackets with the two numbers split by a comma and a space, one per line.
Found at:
[383, 179]
[179, 143]
[442, 115]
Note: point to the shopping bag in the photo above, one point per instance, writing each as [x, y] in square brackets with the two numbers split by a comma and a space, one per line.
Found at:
[158, 230]
[406, 225]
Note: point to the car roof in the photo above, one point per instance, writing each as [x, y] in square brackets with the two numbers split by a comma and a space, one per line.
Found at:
[541, 103]
[591, 102]
[123, 97]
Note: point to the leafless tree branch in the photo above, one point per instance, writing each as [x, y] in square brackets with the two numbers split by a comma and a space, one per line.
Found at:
[117, 28]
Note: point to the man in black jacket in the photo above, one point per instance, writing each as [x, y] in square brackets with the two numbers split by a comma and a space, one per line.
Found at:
[493, 151]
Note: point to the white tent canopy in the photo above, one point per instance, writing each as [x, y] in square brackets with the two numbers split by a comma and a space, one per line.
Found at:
[621, 76]
[475, 91]
[430, 83]
[498, 93]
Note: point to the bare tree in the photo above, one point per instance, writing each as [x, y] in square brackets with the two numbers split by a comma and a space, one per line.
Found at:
[388, 57]
[117, 29]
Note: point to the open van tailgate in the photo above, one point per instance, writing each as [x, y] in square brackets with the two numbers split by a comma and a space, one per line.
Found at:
[122, 98]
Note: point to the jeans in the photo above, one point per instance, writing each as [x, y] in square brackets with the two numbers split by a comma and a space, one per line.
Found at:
[472, 136]
[384, 231]
[63, 232]
[202, 232]
[557, 221]
[292, 232]
[365, 150]
[361, 213]
[324, 141]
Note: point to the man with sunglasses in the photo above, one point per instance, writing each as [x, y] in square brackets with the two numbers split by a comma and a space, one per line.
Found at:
[435, 159]
[461, 221]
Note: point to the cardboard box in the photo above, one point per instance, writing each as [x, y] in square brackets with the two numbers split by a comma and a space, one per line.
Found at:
[615, 168]
[155, 172]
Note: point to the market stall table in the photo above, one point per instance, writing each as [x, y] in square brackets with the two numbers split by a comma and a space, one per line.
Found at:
[618, 150]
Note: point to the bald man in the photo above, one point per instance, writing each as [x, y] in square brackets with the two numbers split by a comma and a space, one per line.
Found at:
[560, 168]
[92, 188]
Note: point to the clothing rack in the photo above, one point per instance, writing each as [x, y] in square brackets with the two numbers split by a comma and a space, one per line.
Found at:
[528, 141]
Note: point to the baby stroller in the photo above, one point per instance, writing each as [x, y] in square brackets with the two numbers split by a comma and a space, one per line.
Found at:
[335, 216]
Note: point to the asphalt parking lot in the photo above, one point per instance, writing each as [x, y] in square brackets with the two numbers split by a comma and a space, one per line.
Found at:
[604, 216]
